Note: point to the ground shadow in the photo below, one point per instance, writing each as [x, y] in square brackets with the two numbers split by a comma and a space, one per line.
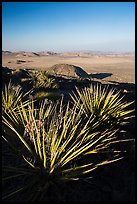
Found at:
[100, 75]
[127, 88]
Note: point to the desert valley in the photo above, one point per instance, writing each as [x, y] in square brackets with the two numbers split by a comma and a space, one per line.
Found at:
[113, 67]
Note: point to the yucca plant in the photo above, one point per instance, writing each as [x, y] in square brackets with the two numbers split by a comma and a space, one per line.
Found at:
[53, 148]
[12, 97]
[107, 106]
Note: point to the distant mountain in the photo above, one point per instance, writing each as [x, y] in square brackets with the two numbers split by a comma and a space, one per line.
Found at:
[30, 54]
[6, 52]
[69, 54]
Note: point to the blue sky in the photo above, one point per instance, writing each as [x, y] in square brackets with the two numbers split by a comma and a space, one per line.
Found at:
[68, 26]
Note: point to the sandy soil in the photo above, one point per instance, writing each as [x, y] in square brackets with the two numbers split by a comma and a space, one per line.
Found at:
[122, 67]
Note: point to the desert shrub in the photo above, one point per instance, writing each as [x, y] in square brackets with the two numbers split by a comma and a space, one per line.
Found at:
[41, 79]
[52, 95]
[6, 75]
[107, 106]
[53, 148]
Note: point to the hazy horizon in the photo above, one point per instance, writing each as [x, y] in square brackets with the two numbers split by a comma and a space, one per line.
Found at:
[68, 26]
[74, 51]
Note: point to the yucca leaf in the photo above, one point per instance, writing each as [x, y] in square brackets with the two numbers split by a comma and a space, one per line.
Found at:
[13, 193]
[13, 176]
[19, 136]
[109, 162]
[43, 147]
[18, 170]
[31, 164]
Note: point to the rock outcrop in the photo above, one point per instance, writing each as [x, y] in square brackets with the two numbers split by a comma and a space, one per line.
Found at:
[68, 70]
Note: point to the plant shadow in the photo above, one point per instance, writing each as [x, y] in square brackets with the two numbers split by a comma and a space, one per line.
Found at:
[100, 75]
